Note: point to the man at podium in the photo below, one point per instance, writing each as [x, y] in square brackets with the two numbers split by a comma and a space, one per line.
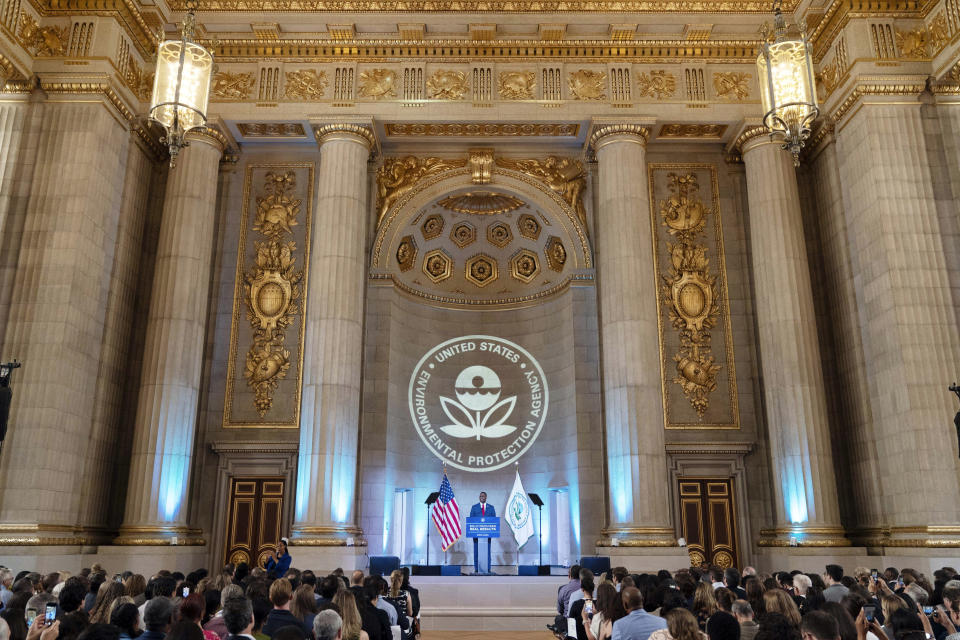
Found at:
[482, 508]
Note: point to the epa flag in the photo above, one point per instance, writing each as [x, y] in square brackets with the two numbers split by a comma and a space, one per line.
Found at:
[519, 513]
[446, 515]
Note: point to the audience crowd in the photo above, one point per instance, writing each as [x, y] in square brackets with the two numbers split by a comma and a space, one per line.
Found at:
[709, 603]
[238, 603]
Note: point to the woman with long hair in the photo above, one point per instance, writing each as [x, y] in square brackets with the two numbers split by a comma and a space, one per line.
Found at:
[777, 601]
[192, 608]
[303, 605]
[704, 604]
[754, 589]
[350, 615]
[106, 594]
[681, 625]
[135, 586]
[398, 594]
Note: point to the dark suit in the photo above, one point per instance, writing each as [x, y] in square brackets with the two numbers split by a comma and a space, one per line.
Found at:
[375, 622]
[477, 511]
[280, 618]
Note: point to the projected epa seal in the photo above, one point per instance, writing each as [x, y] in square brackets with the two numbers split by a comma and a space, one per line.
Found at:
[478, 402]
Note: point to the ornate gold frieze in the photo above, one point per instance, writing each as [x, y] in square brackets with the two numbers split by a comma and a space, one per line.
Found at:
[272, 266]
[693, 297]
[481, 203]
[734, 85]
[232, 86]
[517, 85]
[587, 85]
[703, 131]
[689, 290]
[447, 85]
[492, 6]
[42, 41]
[271, 130]
[398, 176]
[273, 289]
[377, 83]
[306, 84]
[565, 177]
[484, 130]
[657, 84]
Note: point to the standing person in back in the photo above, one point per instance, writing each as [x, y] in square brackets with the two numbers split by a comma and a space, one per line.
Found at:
[279, 561]
[637, 624]
[835, 590]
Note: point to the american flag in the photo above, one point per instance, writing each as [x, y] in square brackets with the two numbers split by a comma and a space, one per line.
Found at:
[446, 515]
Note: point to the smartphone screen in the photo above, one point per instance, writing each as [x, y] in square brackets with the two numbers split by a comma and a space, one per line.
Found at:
[186, 591]
[927, 611]
[31, 616]
[868, 612]
[874, 574]
[50, 614]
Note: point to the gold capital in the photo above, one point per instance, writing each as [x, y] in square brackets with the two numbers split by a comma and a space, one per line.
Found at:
[748, 134]
[604, 135]
[345, 131]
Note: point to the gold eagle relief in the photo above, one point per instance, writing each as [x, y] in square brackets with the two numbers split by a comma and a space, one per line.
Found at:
[273, 288]
[689, 290]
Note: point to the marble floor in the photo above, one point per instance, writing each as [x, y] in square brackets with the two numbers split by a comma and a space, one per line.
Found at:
[486, 635]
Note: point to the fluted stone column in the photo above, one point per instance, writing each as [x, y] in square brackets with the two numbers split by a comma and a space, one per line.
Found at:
[850, 367]
[802, 461]
[908, 314]
[173, 352]
[638, 503]
[325, 512]
[57, 314]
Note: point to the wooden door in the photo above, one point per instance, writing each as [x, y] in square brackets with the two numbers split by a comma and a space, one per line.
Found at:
[708, 521]
[254, 522]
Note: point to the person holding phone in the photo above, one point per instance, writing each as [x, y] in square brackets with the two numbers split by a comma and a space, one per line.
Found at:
[582, 609]
[279, 561]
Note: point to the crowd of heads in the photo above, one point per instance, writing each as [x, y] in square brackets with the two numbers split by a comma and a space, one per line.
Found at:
[717, 604]
[237, 601]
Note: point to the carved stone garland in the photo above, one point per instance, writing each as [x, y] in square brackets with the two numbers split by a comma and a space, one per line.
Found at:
[689, 291]
[273, 287]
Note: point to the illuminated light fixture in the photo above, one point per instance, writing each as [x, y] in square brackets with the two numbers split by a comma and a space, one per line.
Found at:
[787, 89]
[181, 88]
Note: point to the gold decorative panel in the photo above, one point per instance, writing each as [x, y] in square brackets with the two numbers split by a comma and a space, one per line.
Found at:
[448, 130]
[447, 85]
[481, 270]
[696, 341]
[406, 253]
[499, 234]
[529, 226]
[264, 368]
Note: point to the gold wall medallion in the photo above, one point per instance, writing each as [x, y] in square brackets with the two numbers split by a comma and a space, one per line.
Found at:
[587, 85]
[437, 265]
[657, 84]
[685, 220]
[733, 85]
[524, 266]
[378, 83]
[517, 85]
[306, 84]
[565, 176]
[42, 41]
[481, 269]
[447, 85]
[481, 203]
[463, 234]
[529, 226]
[432, 226]
[232, 86]
[499, 234]
[556, 253]
[398, 176]
[406, 253]
[271, 277]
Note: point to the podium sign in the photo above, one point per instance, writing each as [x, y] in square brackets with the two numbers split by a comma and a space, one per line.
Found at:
[482, 527]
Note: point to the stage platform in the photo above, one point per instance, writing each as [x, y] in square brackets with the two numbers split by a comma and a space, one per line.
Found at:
[488, 603]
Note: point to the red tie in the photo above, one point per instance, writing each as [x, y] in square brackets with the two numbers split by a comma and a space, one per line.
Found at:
[483, 509]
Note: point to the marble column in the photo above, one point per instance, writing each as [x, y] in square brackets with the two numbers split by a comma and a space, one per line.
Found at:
[325, 508]
[156, 507]
[907, 313]
[805, 492]
[57, 314]
[839, 265]
[637, 479]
